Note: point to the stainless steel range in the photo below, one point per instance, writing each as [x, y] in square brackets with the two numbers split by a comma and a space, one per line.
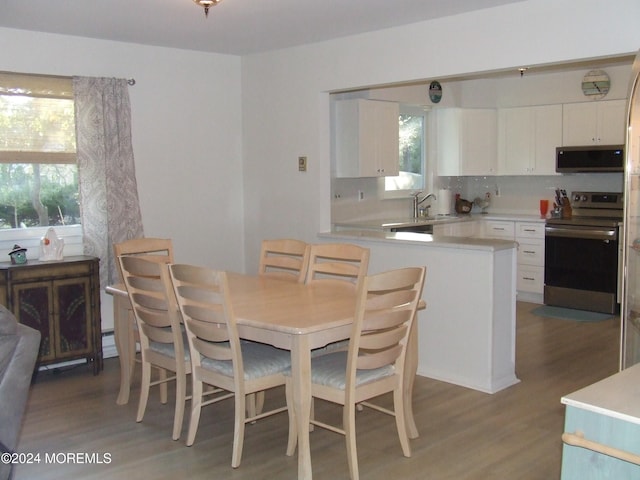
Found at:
[581, 253]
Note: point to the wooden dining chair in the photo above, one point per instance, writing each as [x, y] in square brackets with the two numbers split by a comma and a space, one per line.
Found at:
[163, 344]
[375, 361]
[285, 258]
[218, 357]
[337, 262]
[155, 249]
[342, 262]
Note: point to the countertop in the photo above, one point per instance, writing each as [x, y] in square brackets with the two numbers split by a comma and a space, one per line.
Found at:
[382, 224]
[425, 239]
[616, 396]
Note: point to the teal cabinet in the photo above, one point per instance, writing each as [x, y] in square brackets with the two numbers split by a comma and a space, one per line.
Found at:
[602, 429]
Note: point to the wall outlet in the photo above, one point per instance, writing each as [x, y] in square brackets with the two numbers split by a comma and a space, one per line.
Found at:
[360, 195]
[302, 164]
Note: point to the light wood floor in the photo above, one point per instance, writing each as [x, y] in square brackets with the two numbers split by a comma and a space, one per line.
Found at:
[464, 434]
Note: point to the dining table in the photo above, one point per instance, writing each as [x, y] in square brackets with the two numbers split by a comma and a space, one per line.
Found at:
[289, 315]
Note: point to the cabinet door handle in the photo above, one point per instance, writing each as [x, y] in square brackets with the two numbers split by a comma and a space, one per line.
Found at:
[577, 440]
[529, 251]
[530, 230]
[528, 278]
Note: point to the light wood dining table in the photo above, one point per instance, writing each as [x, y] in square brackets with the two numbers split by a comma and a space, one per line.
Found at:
[291, 316]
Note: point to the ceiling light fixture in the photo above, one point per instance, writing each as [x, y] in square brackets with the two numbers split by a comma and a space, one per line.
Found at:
[207, 4]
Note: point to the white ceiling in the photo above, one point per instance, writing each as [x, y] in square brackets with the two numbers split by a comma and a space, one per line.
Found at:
[235, 27]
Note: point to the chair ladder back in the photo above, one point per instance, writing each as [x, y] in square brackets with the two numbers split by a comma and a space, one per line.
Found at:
[386, 309]
[152, 298]
[338, 261]
[155, 249]
[203, 298]
[284, 258]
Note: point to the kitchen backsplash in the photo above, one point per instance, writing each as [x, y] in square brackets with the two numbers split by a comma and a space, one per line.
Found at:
[516, 194]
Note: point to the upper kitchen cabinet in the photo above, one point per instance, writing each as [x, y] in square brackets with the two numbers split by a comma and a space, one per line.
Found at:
[527, 139]
[366, 133]
[589, 123]
[467, 141]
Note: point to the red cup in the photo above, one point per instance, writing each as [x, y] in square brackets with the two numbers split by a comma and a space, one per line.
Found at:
[544, 208]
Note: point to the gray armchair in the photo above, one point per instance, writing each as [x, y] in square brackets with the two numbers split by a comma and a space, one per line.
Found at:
[19, 347]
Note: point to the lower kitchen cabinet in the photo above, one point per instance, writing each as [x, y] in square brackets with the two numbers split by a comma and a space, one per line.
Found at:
[467, 228]
[530, 238]
[61, 299]
[504, 229]
[602, 429]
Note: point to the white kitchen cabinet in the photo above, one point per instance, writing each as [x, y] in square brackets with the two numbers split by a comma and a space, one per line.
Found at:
[527, 139]
[467, 141]
[530, 257]
[530, 276]
[593, 123]
[366, 133]
[467, 228]
[504, 229]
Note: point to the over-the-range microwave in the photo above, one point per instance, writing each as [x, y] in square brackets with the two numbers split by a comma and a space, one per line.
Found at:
[590, 159]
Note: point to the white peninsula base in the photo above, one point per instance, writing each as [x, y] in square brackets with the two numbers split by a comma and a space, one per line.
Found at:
[467, 331]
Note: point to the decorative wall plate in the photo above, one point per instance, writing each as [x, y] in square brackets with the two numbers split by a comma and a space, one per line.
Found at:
[435, 91]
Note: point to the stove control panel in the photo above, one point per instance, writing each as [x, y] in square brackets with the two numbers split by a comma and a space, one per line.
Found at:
[604, 200]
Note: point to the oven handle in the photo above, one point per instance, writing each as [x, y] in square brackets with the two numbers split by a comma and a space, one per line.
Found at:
[587, 233]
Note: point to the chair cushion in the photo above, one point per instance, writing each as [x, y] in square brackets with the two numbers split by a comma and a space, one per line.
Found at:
[169, 350]
[331, 347]
[330, 370]
[259, 359]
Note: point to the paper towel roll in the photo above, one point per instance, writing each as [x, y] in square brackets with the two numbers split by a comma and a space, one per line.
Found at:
[444, 204]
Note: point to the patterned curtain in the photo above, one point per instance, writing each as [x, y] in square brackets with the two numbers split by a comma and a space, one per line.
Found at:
[109, 204]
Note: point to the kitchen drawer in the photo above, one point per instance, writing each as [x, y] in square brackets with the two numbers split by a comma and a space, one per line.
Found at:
[529, 230]
[531, 253]
[499, 229]
[530, 279]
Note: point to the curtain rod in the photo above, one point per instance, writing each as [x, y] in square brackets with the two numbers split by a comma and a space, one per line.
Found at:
[130, 81]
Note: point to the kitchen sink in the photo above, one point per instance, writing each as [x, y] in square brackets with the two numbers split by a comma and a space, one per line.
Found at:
[418, 228]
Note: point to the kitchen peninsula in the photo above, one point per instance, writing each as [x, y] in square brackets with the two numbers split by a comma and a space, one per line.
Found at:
[466, 334]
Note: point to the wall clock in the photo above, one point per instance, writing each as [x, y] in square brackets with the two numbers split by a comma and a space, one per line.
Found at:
[435, 91]
[595, 84]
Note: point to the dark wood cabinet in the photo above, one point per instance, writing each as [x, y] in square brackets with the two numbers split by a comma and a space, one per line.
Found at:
[61, 299]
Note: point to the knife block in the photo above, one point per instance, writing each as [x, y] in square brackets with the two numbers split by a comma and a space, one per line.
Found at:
[567, 213]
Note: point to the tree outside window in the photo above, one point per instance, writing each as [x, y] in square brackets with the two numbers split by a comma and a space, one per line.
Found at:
[411, 154]
[38, 170]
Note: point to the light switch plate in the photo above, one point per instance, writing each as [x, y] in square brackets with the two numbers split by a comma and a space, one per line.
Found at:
[302, 164]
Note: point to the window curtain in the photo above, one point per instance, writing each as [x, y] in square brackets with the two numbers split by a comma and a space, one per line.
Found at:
[109, 205]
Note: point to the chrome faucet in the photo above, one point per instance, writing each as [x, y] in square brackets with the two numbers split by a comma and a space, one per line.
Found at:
[417, 201]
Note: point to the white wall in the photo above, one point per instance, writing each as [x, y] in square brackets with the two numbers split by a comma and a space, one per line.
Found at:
[286, 93]
[186, 135]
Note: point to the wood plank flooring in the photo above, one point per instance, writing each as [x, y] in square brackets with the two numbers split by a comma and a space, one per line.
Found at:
[464, 434]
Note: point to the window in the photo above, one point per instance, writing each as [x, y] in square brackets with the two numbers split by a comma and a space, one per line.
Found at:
[412, 132]
[38, 169]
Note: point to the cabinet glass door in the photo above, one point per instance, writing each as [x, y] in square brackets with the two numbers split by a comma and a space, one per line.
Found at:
[73, 316]
[34, 305]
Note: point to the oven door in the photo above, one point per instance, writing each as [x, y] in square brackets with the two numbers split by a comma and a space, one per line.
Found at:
[581, 267]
